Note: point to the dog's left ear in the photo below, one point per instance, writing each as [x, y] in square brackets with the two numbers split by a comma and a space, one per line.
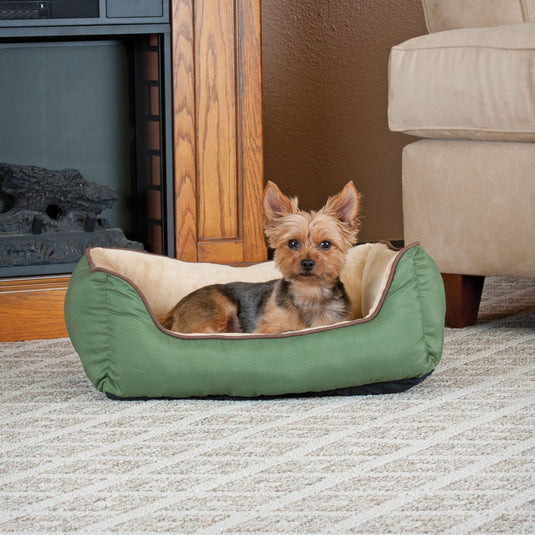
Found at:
[345, 205]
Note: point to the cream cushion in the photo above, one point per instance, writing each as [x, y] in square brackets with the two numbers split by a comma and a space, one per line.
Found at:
[471, 205]
[164, 281]
[476, 83]
[443, 15]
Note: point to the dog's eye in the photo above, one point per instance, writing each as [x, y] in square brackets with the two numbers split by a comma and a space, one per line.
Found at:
[293, 244]
[325, 244]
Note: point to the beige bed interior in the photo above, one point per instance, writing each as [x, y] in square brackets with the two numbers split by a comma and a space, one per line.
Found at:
[164, 281]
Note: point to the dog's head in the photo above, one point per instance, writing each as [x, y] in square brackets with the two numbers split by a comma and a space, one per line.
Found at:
[311, 245]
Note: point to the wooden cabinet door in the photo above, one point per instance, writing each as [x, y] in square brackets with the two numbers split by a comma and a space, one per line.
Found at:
[217, 130]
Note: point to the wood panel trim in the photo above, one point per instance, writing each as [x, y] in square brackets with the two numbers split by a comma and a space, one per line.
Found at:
[221, 251]
[32, 308]
[33, 284]
[241, 199]
[250, 134]
[217, 99]
[184, 130]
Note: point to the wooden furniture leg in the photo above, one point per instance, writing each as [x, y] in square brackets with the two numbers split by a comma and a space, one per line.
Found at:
[463, 295]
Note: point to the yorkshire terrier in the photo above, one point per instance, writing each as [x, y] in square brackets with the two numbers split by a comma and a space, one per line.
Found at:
[310, 251]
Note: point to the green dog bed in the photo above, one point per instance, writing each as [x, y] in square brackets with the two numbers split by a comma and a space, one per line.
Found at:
[394, 341]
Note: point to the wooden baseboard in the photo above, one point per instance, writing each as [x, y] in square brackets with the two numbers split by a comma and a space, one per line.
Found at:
[32, 308]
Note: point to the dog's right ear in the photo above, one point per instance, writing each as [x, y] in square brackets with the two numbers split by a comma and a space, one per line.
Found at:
[276, 204]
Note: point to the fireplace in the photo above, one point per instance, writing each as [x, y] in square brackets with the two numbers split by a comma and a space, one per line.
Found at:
[86, 85]
[207, 184]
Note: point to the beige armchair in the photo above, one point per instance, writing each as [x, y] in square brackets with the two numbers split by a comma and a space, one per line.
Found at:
[468, 88]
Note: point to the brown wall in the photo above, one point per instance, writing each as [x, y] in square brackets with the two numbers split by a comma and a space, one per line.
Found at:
[325, 102]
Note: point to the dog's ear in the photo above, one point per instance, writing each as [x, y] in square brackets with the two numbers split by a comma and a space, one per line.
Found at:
[345, 205]
[276, 204]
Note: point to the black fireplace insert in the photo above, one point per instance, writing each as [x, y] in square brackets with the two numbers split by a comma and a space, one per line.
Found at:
[86, 86]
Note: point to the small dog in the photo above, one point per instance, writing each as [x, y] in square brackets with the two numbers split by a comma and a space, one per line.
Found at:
[310, 250]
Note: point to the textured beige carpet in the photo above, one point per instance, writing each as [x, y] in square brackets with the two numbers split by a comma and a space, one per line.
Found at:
[455, 454]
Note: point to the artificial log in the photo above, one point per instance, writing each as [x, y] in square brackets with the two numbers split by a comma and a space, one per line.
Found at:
[54, 216]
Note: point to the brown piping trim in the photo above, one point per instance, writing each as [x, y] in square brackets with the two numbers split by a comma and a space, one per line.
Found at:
[394, 248]
[92, 266]
[251, 336]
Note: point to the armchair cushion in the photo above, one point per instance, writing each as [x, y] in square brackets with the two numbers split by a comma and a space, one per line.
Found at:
[476, 83]
[470, 204]
[443, 15]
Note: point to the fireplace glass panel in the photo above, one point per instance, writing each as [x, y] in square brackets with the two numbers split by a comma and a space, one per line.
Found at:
[95, 105]
[68, 108]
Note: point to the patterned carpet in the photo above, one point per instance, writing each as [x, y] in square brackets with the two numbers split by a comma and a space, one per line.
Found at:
[455, 454]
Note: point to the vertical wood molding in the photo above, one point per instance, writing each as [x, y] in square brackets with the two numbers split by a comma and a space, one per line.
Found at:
[215, 65]
[184, 135]
[250, 128]
[218, 130]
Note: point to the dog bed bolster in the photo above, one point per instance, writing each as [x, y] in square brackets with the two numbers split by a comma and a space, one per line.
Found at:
[115, 297]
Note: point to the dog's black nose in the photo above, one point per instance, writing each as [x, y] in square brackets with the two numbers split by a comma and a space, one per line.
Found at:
[307, 264]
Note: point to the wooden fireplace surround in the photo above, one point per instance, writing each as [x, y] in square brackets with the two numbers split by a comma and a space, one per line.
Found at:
[218, 156]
